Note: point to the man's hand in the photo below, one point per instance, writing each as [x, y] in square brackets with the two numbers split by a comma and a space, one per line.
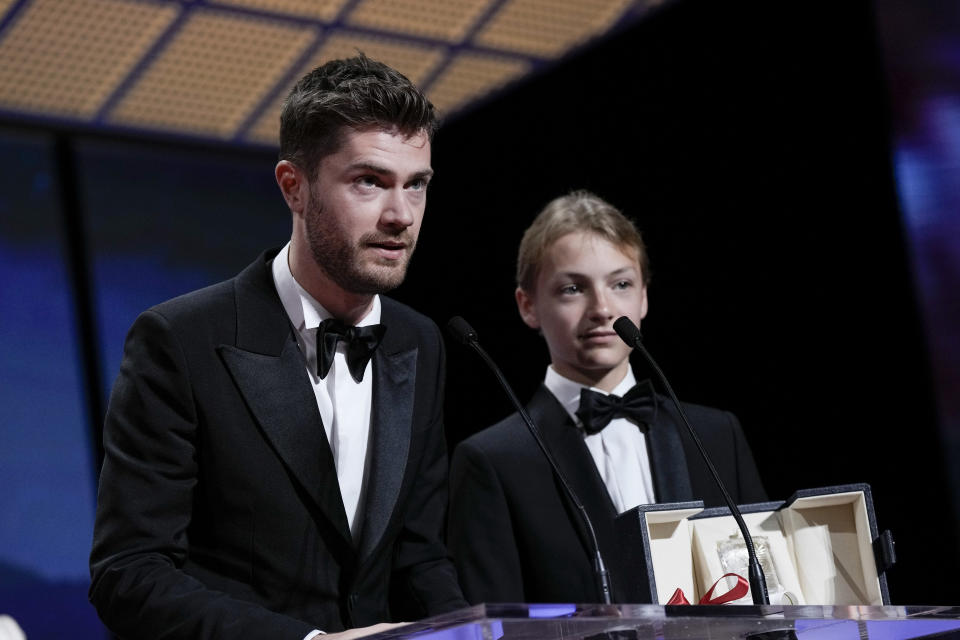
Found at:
[361, 632]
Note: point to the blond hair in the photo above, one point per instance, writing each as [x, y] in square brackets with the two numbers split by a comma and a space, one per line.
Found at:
[580, 212]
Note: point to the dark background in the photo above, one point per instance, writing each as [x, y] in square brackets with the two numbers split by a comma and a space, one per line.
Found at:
[752, 141]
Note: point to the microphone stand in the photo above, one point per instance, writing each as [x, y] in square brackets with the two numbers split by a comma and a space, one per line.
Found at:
[463, 332]
[630, 334]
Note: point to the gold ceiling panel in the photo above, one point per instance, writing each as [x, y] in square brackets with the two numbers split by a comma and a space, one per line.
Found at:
[211, 76]
[266, 130]
[215, 69]
[413, 60]
[66, 58]
[548, 28]
[472, 75]
[325, 10]
[448, 20]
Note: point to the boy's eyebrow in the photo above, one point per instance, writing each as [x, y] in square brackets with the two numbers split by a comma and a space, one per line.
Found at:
[578, 274]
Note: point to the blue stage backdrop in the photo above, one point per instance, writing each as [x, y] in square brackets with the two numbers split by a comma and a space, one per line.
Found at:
[921, 43]
[157, 223]
[46, 459]
[164, 222]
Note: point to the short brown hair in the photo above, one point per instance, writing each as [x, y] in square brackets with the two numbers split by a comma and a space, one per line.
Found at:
[354, 92]
[580, 211]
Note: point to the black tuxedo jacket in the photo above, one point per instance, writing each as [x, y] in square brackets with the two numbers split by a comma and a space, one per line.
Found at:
[516, 537]
[219, 511]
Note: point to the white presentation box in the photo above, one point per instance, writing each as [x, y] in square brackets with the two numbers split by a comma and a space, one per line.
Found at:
[820, 547]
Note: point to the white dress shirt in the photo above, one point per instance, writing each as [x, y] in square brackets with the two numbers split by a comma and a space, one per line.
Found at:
[344, 403]
[619, 450]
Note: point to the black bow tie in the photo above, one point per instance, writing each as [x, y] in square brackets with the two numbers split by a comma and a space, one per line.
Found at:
[597, 409]
[361, 343]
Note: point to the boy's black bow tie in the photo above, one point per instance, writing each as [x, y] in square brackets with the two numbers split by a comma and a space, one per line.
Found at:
[597, 409]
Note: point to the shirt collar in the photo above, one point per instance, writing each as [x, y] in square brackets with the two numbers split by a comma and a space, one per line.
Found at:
[568, 392]
[303, 310]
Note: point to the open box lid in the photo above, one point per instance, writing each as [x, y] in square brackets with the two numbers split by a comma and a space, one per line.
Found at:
[821, 546]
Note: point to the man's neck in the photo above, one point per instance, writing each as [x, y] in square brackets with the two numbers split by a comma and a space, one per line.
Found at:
[344, 305]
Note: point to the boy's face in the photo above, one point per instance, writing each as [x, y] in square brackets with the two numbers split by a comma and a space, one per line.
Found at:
[585, 283]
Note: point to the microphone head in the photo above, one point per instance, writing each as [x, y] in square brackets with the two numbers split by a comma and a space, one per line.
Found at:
[628, 332]
[461, 330]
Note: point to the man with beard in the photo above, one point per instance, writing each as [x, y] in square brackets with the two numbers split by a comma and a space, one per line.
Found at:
[275, 463]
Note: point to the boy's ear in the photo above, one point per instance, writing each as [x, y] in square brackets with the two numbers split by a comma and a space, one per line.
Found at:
[645, 304]
[527, 309]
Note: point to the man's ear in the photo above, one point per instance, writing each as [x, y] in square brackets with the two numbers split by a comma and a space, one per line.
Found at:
[527, 308]
[293, 185]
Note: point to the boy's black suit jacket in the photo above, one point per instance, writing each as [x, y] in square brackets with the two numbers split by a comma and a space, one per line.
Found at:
[515, 535]
[219, 510]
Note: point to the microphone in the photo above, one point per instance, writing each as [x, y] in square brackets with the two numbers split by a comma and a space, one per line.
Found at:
[464, 333]
[460, 329]
[630, 334]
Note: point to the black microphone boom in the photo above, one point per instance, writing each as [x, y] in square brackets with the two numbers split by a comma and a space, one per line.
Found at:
[464, 333]
[630, 334]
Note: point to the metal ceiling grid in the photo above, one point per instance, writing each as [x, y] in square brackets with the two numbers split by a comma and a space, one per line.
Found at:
[215, 70]
[548, 28]
[413, 59]
[219, 69]
[65, 58]
[323, 10]
[446, 20]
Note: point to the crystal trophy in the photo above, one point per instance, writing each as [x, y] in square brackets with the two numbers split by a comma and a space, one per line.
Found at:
[734, 559]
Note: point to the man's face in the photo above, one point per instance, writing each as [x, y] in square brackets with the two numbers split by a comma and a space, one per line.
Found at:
[585, 283]
[365, 208]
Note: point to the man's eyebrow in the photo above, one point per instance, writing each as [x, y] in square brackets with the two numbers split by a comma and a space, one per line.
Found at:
[369, 166]
[383, 171]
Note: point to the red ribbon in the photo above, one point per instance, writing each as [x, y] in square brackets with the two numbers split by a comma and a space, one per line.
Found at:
[738, 591]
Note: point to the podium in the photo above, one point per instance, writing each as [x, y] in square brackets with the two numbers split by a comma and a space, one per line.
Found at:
[643, 622]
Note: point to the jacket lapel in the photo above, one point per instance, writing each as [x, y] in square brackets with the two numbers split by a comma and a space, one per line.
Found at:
[391, 417]
[270, 373]
[668, 463]
[565, 442]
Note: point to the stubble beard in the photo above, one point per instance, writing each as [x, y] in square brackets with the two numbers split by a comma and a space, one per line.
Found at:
[344, 263]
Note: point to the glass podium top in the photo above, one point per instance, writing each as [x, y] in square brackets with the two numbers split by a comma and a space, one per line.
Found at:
[640, 622]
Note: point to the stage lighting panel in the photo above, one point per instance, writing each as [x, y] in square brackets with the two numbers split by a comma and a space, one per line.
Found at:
[67, 58]
[220, 70]
[471, 75]
[447, 20]
[213, 73]
[548, 28]
[325, 10]
[412, 59]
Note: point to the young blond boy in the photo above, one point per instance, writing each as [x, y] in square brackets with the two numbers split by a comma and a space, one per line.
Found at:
[514, 535]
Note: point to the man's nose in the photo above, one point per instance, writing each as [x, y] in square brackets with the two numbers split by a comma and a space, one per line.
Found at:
[398, 212]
